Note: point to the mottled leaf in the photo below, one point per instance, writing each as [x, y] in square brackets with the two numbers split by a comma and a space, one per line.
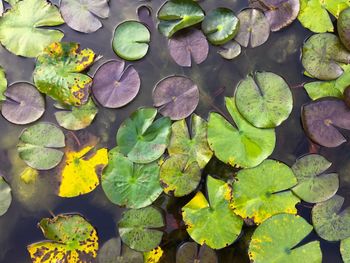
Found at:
[190, 252]
[3, 84]
[343, 26]
[5, 196]
[345, 250]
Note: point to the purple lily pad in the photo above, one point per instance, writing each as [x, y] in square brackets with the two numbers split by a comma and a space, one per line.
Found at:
[24, 104]
[176, 97]
[187, 45]
[322, 120]
[190, 252]
[144, 12]
[114, 86]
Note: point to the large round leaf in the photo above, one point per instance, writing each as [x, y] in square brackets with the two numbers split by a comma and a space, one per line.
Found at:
[330, 221]
[39, 146]
[57, 73]
[276, 239]
[176, 96]
[22, 28]
[211, 221]
[343, 26]
[323, 56]
[190, 252]
[313, 185]
[24, 104]
[128, 184]
[72, 239]
[243, 145]
[139, 228]
[264, 99]
[3, 84]
[142, 139]
[114, 86]
[5, 196]
[345, 250]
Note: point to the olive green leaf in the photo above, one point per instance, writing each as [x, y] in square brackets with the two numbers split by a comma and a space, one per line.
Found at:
[345, 250]
[142, 139]
[230, 50]
[314, 186]
[343, 27]
[22, 27]
[276, 239]
[39, 146]
[5, 196]
[243, 145]
[264, 99]
[72, 239]
[211, 221]
[58, 73]
[3, 84]
[175, 15]
[139, 228]
[262, 191]
[330, 221]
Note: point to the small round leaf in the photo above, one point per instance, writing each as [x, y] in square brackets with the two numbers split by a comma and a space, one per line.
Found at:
[189, 252]
[230, 50]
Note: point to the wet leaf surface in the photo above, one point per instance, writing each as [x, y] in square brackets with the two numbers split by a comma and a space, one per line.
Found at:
[5, 196]
[230, 50]
[190, 252]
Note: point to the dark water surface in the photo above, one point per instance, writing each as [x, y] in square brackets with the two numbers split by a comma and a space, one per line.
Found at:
[216, 78]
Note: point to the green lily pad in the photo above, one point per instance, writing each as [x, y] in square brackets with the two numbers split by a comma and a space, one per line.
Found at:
[276, 238]
[230, 50]
[175, 15]
[3, 84]
[263, 191]
[345, 250]
[58, 73]
[39, 146]
[23, 29]
[5, 196]
[313, 185]
[343, 26]
[211, 221]
[131, 40]
[71, 239]
[323, 56]
[139, 228]
[190, 252]
[330, 221]
[142, 139]
[243, 145]
[264, 99]
[220, 26]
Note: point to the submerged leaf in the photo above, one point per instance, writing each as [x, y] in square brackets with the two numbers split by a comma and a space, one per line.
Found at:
[190, 252]
[5, 196]
[3, 84]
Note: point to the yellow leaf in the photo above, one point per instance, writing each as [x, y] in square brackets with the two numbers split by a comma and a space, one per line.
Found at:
[153, 256]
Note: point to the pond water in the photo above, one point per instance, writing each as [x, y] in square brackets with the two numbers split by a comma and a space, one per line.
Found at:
[216, 78]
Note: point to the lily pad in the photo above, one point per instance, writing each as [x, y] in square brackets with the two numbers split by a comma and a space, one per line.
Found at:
[322, 120]
[5, 196]
[276, 239]
[82, 15]
[58, 73]
[330, 221]
[243, 145]
[131, 40]
[254, 28]
[190, 252]
[220, 26]
[23, 29]
[144, 13]
[264, 99]
[323, 55]
[345, 250]
[175, 15]
[128, 184]
[142, 139]
[114, 86]
[211, 221]
[176, 97]
[71, 239]
[343, 26]
[314, 185]
[39, 146]
[3, 84]
[139, 228]
[230, 50]
[24, 104]
[188, 45]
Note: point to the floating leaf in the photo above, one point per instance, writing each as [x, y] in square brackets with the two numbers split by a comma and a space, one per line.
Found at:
[39, 146]
[313, 185]
[345, 250]
[276, 239]
[139, 228]
[343, 26]
[322, 120]
[176, 97]
[190, 252]
[211, 221]
[254, 28]
[244, 145]
[175, 15]
[82, 15]
[114, 86]
[264, 99]
[23, 28]
[131, 40]
[142, 139]
[220, 26]
[230, 50]
[144, 13]
[72, 239]
[187, 45]
[153, 256]
[58, 73]
[3, 84]
[5, 196]
[23, 104]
